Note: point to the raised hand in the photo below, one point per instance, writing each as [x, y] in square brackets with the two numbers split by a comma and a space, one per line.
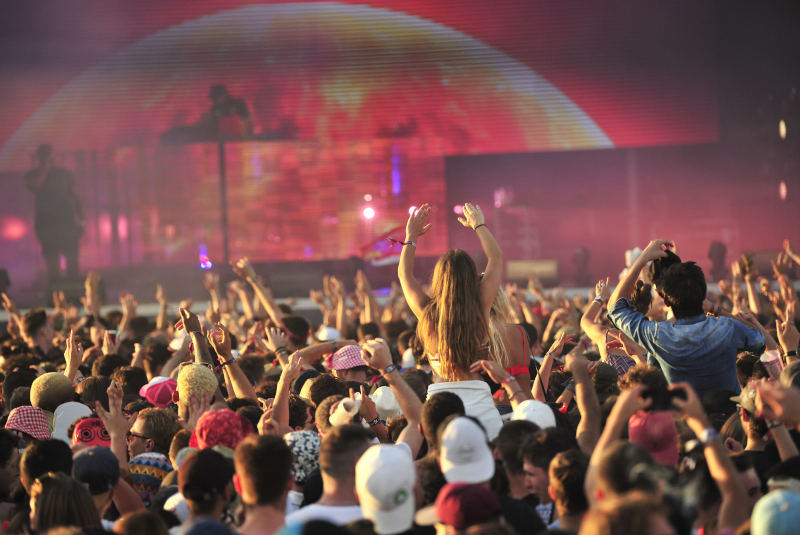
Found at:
[110, 345]
[788, 336]
[9, 305]
[220, 340]
[128, 303]
[73, 355]
[190, 320]
[558, 344]
[417, 223]
[276, 339]
[603, 289]
[776, 402]
[366, 409]
[376, 354]
[787, 247]
[655, 249]
[161, 296]
[211, 281]
[492, 368]
[691, 407]
[59, 301]
[473, 216]
[243, 269]
[113, 418]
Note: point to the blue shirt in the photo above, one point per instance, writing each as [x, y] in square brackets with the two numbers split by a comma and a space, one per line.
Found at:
[700, 350]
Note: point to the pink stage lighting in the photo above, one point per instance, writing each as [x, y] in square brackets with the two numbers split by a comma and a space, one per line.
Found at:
[458, 209]
[411, 210]
[368, 213]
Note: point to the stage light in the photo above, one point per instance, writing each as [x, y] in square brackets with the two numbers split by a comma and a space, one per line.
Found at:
[368, 212]
[458, 209]
[202, 256]
[13, 228]
[367, 198]
[782, 129]
[411, 210]
[782, 190]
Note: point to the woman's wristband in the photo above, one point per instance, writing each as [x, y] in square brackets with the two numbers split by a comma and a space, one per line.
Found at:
[476, 227]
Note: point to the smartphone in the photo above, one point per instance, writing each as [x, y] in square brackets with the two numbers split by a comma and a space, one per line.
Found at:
[113, 336]
[662, 398]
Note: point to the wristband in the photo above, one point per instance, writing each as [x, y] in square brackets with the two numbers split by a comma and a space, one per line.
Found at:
[792, 353]
[389, 369]
[774, 424]
[226, 363]
[707, 435]
[282, 350]
[375, 422]
[598, 299]
[198, 333]
[509, 379]
[479, 226]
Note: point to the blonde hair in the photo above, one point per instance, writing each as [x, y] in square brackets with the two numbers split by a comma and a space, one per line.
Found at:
[195, 378]
[501, 313]
[452, 323]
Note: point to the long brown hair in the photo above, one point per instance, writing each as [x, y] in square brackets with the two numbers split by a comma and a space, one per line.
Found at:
[62, 501]
[453, 323]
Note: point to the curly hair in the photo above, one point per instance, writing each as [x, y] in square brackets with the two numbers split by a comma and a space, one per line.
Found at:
[453, 323]
[643, 374]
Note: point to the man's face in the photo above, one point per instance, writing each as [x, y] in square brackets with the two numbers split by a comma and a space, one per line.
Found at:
[357, 375]
[137, 441]
[536, 481]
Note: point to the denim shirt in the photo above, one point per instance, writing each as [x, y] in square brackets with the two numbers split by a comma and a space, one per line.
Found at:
[700, 350]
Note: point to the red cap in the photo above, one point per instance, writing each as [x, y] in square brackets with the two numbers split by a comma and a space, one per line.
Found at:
[657, 433]
[346, 358]
[461, 505]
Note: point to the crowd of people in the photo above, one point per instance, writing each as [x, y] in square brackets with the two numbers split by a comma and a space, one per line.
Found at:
[459, 405]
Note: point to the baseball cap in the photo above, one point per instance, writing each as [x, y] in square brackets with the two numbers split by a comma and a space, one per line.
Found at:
[305, 453]
[159, 391]
[65, 414]
[91, 432]
[97, 468]
[535, 411]
[465, 456]
[385, 477]
[747, 399]
[204, 474]
[460, 505]
[655, 431]
[30, 420]
[346, 358]
[777, 513]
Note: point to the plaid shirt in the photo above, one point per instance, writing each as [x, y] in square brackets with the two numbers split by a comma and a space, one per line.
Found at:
[621, 363]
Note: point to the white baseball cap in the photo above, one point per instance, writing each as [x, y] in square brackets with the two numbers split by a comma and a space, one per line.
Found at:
[385, 478]
[464, 455]
[537, 412]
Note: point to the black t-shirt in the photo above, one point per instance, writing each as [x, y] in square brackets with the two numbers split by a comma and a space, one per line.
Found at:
[521, 516]
[56, 205]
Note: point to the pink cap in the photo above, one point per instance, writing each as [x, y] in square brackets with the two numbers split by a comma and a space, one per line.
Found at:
[346, 358]
[159, 391]
[657, 433]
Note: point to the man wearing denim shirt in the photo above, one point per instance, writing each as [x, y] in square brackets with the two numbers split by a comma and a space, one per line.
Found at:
[698, 349]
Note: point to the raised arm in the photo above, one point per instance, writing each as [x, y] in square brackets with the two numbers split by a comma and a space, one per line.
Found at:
[162, 320]
[243, 269]
[416, 226]
[377, 356]
[493, 274]
[733, 509]
[588, 431]
[655, 249]
[626, 406]
[220, 340]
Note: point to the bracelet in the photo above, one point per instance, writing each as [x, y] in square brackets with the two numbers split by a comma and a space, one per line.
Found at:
[774, 424]
[792, 353]
[404, 243]
[389, 369]
[479, 226]
[375, 422]
[226, 363]
[598, 299]
[282, 350]
[508, 379]
[707, 435]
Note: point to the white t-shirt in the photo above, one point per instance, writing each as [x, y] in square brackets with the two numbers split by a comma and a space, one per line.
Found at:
[335, 514]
